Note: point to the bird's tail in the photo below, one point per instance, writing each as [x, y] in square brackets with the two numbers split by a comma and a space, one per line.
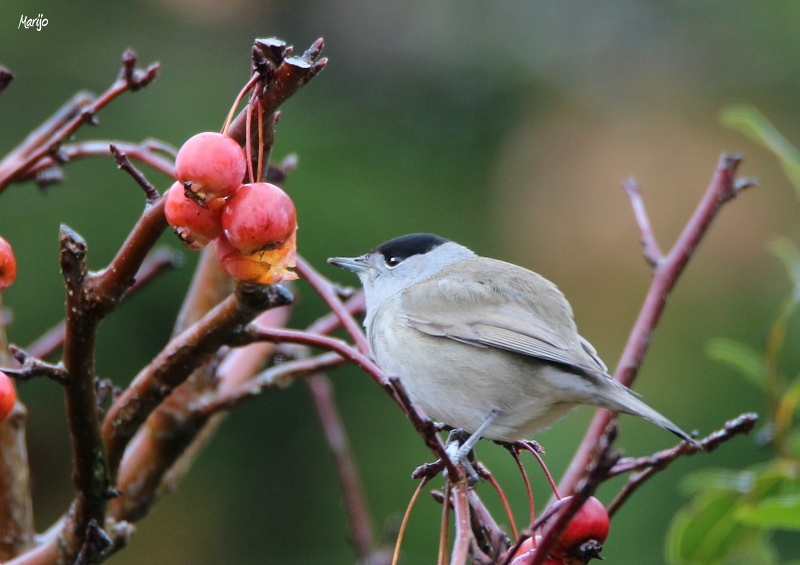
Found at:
[619, 398]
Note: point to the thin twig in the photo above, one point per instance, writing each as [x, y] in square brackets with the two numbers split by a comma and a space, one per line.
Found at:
[124, 164]
[336, 436]
[31, 367]
[145, 152]
[10, 166]
[648, 466]
[463, 536]
[325, 289]
[652, 252]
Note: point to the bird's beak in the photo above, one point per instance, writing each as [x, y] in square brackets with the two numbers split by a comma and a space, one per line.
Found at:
[354, 264]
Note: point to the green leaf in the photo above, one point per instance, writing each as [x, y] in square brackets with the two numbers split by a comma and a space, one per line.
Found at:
[777, 512]
[757, 127]
[787, 252]
[707, 532]
[746, 360]
[719, 479]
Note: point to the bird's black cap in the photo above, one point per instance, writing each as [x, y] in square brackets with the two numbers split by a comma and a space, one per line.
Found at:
[403, 247]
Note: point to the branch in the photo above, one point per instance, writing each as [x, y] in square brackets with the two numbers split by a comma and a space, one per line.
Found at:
[11, 163]
[16, 508]
[124, 164]
[666, 272]
[48, 139]
[336, 436]
[47, 169]
[163, 449]
[604, 459]
[156, 263]
[89, 466]
[280, 76]
[6, 76]
[652, 252]
[32, 367]
[110, 285]
[221, 326]
[327, 292]
[649, 466]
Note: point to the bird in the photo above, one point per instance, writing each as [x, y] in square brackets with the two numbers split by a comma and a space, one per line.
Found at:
[479, 344]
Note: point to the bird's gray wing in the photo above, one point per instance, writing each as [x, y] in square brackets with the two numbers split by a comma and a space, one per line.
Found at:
[510, 308]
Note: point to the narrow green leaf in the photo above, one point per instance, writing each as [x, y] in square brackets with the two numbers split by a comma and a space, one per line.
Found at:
[777, 512]
[707, 532]
[789, 254]
[757, 127]
[747, 361]
[720, 479]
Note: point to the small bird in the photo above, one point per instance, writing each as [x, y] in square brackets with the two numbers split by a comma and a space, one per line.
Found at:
[480, 344]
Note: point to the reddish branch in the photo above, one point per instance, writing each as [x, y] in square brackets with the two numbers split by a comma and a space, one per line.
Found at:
[355, 503]
[224, 325]
[646, 467]
[47, 140]
[666, 271]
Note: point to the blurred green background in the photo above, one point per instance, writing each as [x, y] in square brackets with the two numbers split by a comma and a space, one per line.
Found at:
[506, 126]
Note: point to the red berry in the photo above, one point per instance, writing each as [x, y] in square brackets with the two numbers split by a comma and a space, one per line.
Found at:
[213, 163]
[8, 265]
[525, 552]
[196, 225]
[8, 396]
[265, 267]
[258, 216]
[584, 534]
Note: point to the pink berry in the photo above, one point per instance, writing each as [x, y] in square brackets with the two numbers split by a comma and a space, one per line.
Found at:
[258, 216]
[196, 225]
[8, 396]
[8, 265]
[213, 164]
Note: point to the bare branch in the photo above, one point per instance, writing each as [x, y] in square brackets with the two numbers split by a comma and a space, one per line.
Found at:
[32, 367]
[124, 164]
[355, 503]
[649, 466]
[325, 289]
[722, 188]
[221, 326]
[89, 465]
[34, 148]
[652, 252]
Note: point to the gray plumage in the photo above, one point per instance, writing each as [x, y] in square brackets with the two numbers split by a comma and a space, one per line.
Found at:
[471, 337]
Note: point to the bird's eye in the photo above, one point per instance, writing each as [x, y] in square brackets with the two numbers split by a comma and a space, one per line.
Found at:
[393, 261]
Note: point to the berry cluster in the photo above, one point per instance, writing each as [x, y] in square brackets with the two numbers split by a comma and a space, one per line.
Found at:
[8, 273]
[580, 541]
[252, 225]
